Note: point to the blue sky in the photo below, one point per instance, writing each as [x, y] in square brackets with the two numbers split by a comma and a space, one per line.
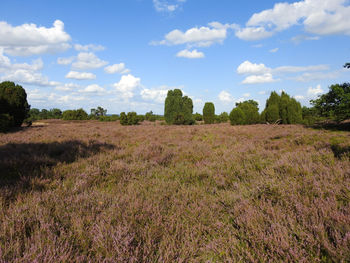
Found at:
[124, 55]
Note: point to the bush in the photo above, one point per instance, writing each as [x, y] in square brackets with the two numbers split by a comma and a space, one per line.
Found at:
[6, 121]
[250, 110]
[197, 116]
[108, 118]
[223, 117]
[78, 114]
[129, 119]
[13, 104]
[178, 109]
[149, 116]
[209, 113]
[237, 116]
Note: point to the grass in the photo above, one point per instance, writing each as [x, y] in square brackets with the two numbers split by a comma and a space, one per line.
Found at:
[92, 191]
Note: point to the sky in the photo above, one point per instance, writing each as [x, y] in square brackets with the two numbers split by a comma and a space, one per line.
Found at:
[124, 55]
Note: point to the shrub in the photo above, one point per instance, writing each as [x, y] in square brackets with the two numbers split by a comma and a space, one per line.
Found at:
[178, 109]
[78, 114]
[209, 113]
[250, 110]
[237, 116]
[13, 104]
[129, 119]
[223, 117]
[113, 117]
[197, 116]
[6, 121]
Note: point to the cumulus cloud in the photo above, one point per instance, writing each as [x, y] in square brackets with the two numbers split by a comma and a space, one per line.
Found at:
[80, 75]
[88, 60]
[204, 36]
[117, 68]
[314, 91]
[260, 73]
[93, 88]
[29, 39]
[256, 79]
[274, 50]
[312, 76]
[65, 61]
[248, 67]
[158, 94]
[326, 17]
[67, 87]
[90, 47]
[225, 97]
[190, 54]
[127, 85]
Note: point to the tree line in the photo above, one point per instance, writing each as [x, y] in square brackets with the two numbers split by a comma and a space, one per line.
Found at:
[178, 110]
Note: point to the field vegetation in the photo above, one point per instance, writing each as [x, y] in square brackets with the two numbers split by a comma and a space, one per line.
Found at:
[90, 191]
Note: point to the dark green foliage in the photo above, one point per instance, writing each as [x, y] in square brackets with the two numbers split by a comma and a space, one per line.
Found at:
[123, 118]
[310, 116]
[36, 114]
[197, 116]
[209, 113]
[250, 110]
[113, 117]
[14, 107]
[178, 109]
[222, 118]
[78, 114]
[149, 116]
[237, 116]
[6, 121]
[282, 109]
[129, 119]
[98, 112]
[334, 104]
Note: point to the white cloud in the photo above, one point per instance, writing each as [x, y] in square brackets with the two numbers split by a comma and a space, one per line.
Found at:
[204, 36]
[299, 97]
[256, 79]
[80, 75]
[158, 95]
[253, 33]
[67, 87]
[318, 17]
[300, 38]
[90, 47]
[251, 68]
[246, 95]
[25, 76]
[312, 76]
[29, 39]
[167, 5]
[126, 86]
[314, 91]
[117, 68]
[262, 92]
[65, 61]
[225, 97]
[295, 69]
[190, 54]
[93, 88]
[274, 50]
[88, 60]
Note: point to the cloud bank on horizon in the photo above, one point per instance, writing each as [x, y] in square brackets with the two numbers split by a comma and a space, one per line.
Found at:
[57, 70]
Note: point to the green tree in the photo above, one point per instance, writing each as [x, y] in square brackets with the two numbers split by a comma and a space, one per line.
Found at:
[123, 118]
[149, 116]
[13, 104]
[197, 116]
[272, 113]
[250, 110]
[237, 116]
[78, 114]
[334, 103]
[178, 109]
[209, 113]
[223, 117]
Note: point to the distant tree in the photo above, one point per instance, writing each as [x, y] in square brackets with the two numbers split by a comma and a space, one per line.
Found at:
[123, 118]
[178, 109]
[197, 116]
[250, 110]
[223, 117]
[237, 116]
[14, 107]
[281, 108]
[98, 112]
[209, 113]
[55, 113]
[78, 114]
[335, 103]
[149, 116]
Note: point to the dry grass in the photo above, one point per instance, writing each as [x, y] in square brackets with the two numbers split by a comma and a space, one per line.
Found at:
[92, 191]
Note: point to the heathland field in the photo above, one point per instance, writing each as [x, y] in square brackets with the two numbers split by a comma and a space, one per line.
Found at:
[94, 191]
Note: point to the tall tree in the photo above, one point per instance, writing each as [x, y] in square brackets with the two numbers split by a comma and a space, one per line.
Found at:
[209, 113]
[178, 109]
[335, 103]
